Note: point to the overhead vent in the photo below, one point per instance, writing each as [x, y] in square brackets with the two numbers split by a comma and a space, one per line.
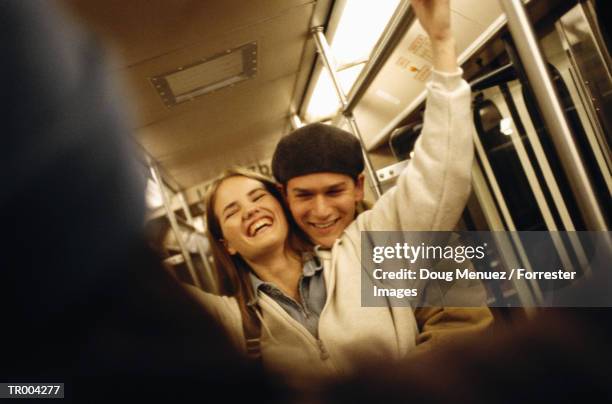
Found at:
[206, 75]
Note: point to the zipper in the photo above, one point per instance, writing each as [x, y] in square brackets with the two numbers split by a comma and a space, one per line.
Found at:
[323, 352]
[329, 284]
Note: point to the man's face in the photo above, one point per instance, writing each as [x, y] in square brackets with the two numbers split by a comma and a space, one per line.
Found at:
[323, 204]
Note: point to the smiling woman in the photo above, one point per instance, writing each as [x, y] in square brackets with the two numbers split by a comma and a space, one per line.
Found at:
[251, 220]
[249, 231]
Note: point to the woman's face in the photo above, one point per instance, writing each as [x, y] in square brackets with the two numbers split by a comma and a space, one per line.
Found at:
[252, 219]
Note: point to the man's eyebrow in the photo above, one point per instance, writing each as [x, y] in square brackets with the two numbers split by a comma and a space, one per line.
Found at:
[311, 190]
[336, 185]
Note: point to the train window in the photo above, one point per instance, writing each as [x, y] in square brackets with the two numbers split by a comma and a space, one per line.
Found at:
[538, 157]
[402, 140]
[505, 162]
[523, 162]
[505, 144]
[597, 11]
[585, 44]
[581, 81]
[587, 41]
[544, 136]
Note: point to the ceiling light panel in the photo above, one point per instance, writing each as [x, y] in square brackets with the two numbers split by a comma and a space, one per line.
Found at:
[324, 102]
[206, 75]
[361, 24]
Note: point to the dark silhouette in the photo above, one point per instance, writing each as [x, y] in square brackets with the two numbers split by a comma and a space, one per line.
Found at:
[84, 301]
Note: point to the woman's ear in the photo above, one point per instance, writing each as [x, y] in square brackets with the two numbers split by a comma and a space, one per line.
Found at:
[229, 249]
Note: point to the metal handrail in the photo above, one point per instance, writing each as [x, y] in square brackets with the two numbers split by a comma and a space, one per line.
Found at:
[326, 58]
[155, 173]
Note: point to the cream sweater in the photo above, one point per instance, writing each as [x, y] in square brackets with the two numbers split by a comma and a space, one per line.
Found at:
[430, 194]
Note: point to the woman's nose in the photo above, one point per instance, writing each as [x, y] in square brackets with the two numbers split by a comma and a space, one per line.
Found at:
[250, 211]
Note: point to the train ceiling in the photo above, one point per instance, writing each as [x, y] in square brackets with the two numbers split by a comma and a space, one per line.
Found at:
[240, 124]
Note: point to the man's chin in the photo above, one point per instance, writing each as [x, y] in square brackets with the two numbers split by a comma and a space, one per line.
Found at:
[326, 241]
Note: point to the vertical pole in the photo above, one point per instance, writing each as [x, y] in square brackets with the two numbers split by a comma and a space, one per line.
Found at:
[369, 167]
[209, 275]
[326, 57]
[552, 112]
[173, 223]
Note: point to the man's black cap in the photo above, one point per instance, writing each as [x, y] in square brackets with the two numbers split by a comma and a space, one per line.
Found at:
[317, 148]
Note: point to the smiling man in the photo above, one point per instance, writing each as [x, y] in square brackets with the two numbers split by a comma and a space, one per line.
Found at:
[320, 167]
[320, 170]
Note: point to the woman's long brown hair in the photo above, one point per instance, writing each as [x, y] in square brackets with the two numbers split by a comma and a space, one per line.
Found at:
[232, 271]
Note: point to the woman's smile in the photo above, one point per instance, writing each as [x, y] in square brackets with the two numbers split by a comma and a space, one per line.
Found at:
[253, 222]
[259, 226]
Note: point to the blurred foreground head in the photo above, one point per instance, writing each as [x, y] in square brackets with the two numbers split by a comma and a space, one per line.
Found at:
[72, 194]
[561, 355]
[83, 301]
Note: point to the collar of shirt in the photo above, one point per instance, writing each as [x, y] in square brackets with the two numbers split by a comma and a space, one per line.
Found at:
[312, 265]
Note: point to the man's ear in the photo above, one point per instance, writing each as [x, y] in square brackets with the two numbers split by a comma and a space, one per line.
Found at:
[359, 187]
[230, 250]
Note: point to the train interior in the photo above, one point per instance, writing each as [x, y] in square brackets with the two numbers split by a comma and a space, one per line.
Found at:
[209, 84]
[213, 84]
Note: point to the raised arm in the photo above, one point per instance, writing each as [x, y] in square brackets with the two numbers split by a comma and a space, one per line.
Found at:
[434, 16]
[432, 191]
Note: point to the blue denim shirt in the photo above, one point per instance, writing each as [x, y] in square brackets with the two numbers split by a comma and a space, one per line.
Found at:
[312, 293]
